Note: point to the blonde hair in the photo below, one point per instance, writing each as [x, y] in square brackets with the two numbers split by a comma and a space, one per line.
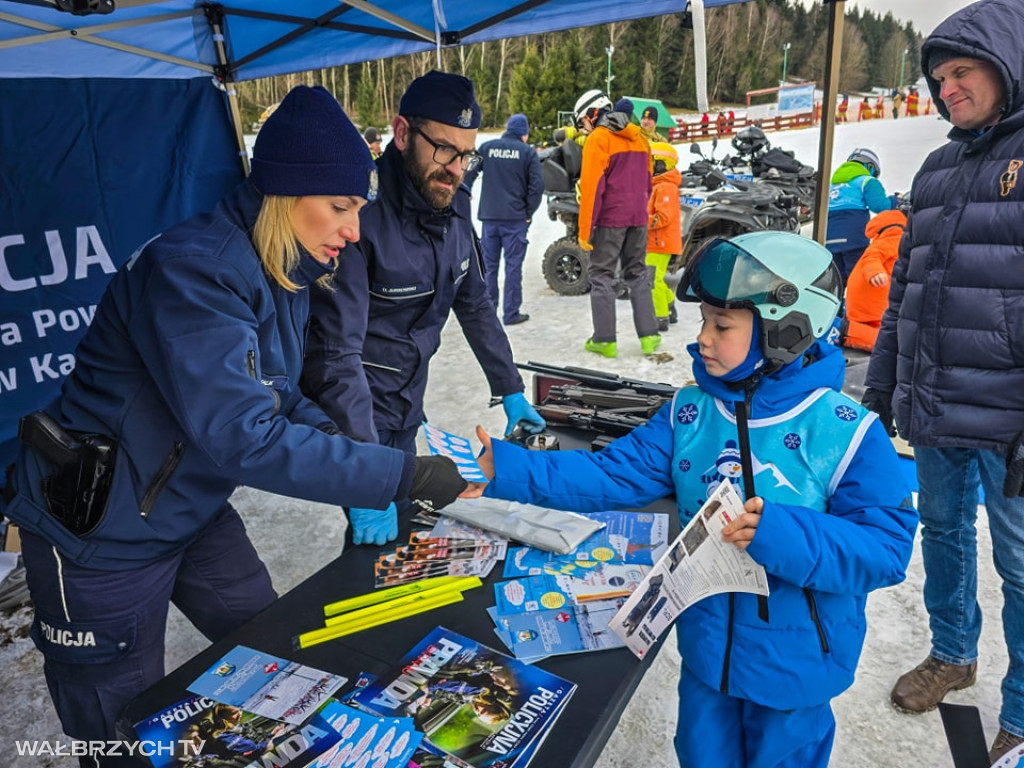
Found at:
[275, 241]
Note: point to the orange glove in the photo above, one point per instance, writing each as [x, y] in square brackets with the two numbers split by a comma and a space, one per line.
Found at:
[585, 245]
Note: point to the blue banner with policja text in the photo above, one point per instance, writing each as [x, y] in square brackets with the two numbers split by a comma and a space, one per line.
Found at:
[90, 170]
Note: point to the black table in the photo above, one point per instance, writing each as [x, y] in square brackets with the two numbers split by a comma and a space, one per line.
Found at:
[606, 679]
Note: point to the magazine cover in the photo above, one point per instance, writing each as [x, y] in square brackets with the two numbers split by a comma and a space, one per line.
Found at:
[480, 706]
[200, 732]
[266, 685]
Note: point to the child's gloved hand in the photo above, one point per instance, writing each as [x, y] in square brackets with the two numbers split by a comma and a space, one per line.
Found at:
[374, 526]
[519, 411]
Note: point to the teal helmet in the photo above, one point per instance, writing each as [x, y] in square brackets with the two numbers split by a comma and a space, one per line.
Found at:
[789, 280]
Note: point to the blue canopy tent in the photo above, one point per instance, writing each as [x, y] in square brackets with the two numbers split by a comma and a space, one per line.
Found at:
[119, 119]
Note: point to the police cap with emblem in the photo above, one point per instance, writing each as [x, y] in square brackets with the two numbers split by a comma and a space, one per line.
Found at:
[442, 97]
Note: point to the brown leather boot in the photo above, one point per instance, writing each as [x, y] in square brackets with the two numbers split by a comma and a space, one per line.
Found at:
[1005, 741]
[923, 687]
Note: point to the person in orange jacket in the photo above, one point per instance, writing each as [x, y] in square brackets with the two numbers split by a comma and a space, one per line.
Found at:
[880, 107]
[844, 105]
[913, 98]
[867, 112]
[665, 228]
[867, 290]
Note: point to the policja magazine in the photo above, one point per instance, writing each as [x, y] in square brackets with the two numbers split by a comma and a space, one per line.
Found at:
[698, 564]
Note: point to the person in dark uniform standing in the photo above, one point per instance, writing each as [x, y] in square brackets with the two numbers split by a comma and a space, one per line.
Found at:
[185, 386]
[511, 193]
[371, 337]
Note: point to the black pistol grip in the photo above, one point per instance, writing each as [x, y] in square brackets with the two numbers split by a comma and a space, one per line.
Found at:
[42, 432]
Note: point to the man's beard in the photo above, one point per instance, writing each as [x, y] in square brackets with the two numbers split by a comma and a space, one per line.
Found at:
[422, 176]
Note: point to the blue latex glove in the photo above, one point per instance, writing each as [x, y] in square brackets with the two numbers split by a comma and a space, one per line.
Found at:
[519, 411]
[373, 526]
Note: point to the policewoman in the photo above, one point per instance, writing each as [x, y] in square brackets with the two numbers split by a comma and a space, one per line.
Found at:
[373, 334]
[186, 386]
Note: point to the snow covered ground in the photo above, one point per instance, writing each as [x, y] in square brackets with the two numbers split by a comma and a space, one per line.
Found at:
[296, 538]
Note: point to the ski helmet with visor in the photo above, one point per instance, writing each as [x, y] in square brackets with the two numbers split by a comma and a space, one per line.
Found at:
[788, 280]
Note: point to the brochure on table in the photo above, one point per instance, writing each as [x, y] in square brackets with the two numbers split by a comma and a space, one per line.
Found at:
[698, 564]
[266, 685]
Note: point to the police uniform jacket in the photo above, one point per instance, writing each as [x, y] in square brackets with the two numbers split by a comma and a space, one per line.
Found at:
[951, 346]
[191, 364]
[512, 185]
[820, 563]
[371, 337]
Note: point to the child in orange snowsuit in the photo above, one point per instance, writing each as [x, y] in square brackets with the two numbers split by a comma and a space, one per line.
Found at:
[867, 290]
[665, 228]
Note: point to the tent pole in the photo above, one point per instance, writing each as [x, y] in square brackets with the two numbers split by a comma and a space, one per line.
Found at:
[700, 54]
[837, 9]
[215, 17]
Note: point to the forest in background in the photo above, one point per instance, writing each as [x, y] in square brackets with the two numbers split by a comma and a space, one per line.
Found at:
[749, 45]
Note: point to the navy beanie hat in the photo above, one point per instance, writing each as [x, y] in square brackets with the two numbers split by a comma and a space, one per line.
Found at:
[624, 105]
[308, 146]
[442, 97]
[518, 124]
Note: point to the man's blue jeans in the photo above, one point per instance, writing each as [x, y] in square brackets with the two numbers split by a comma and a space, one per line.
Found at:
[948, 502]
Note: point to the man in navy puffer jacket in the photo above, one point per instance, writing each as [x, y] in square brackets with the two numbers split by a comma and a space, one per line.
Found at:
[949, 360]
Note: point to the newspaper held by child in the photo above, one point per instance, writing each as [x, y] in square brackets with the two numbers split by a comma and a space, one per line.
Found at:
[698, 564]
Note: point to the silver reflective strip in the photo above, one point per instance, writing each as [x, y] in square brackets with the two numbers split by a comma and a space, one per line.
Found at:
[60, 580]
[384, 367]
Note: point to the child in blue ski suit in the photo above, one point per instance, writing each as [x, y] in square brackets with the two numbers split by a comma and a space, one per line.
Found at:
[831, 520]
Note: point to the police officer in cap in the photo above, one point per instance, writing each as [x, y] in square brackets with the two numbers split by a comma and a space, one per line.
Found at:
[372, 335]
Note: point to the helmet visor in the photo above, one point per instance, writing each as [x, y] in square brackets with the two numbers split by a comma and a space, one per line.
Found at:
[724, 275]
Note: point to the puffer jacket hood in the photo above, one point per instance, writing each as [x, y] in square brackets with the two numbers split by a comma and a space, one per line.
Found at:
[849, 171]
[990, 30]
[887, 223]
[617, 121]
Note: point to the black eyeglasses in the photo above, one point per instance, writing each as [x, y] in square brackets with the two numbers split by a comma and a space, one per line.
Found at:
[445, 155]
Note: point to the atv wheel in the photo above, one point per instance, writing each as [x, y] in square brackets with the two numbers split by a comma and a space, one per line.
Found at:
[565, 267]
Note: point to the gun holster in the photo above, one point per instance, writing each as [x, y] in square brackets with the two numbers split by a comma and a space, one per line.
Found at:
[77, 490]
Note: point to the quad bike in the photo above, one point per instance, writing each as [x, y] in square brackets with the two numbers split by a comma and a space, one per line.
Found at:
[565, 263]
[711, 206]
[757, 160]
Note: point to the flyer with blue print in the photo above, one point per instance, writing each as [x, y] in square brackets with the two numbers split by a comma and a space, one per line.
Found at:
[638, 538]
[456, 448]
[266, 685]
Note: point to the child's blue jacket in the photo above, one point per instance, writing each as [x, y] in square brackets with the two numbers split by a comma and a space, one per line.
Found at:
[820, 566]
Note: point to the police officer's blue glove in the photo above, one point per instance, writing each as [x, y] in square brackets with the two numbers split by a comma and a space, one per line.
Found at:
[519, 411]
[1013, 484]
[374, 526]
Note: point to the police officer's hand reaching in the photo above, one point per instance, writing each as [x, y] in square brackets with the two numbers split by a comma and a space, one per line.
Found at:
[437, 482]
[519, 411]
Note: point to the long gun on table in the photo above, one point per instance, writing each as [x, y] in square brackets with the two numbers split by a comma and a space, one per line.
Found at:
[623, 401]
[616, 424]
[600, 379]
